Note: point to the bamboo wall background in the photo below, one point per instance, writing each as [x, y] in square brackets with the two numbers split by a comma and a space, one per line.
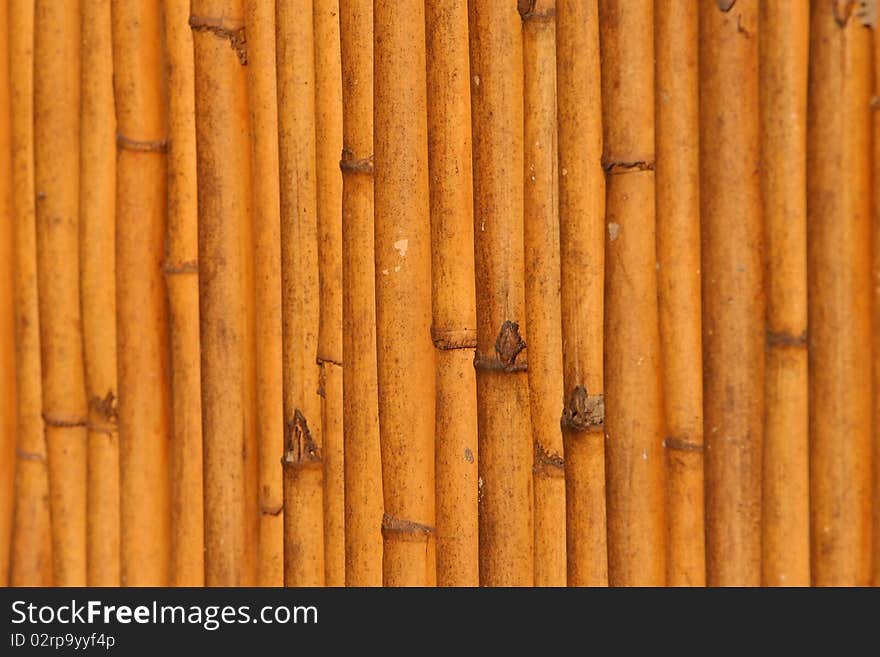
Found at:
[365, 292]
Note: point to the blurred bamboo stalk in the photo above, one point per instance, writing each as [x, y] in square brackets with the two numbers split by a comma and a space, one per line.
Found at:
[98, 290]
[542, 285]
[875, 106]
[582, 263]
[505, 437]
[31, 559]
[453, 297]
[304, 546]
[839, 264]
[56, 179]
[634, 407]
[678, 280]
[328, 130]
[733, 290]
[785, 524]
[223, 153]
[363, 468]
[187, 566]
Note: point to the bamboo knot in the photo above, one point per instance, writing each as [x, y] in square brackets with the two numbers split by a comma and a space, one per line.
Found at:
[105, 407]
[867, 12]
[128, 144]
[405, 530]
[784, 339]
[725, 5]
[535, 10]
[864, 10]
[185, 267]
[508, 346]
[299, 446]
[682, 445]
[618, 168]
[450, 339]
[224, 28]
[30, 456]
[583, 412]
[547, 464]
[271, 510]
[352, 164]
[62, 422]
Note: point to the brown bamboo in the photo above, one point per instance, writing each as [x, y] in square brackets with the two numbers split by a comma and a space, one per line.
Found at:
[505, 438]
[678, 280]
[839, 257]
[181, 280]
[363, 469]
[454, 313]
[328, 130]
[406, 360]
[98, 290]
[7, 312]
[31, 560]
[299, 271]
[56, 179]
[633, 409]
[223, 155]
[260, 22]
[542, 284]
[785, 523]
[733, 293]
[582, 266]
[875, 105]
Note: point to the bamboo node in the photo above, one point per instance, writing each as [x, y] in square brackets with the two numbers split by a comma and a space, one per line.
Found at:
[225, 28]
[535, 10]
[583, 412]
[784, 339]
[326, 360]
[875, 103]
[299, 446]
[349, 163]
[682, 445]
[105, 407]
[405, 530]
[62, 422]
[725, 5]
[616, 168]
[273, 510]
[843, 10]
[867, 12]
[30, 456]
[185, 267]
[450, 339]
[547, 464]
[128, 144]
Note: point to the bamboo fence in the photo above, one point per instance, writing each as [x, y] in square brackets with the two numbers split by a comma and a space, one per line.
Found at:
[453, 292]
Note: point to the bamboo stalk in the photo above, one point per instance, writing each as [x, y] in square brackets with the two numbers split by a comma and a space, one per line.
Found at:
[733, 292]
[453, 296]
[328, 113]
[181, 280]
[505, 438]
[634, 414]
[678, 280]
[98, 290]
[406, 360]
[223, 154]
[875, 105]
[31, 560]
[260, 21]
[363, 469]
[839, 261]
[582, 263]
[56, 179]
[299, 271]
[785, 523]
[542, 285]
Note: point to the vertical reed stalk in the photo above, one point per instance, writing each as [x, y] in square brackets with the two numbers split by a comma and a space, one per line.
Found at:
[260, 21]
[634, 413]
[363, 468]
[839, 264]
[678, 280]
[733, 291]
[31, 560]
[542, 284]
[300, 288]
[785, 523]
[875, 106]
[328, 130]
[56, 179]
[98, 290]
[223, 153]
[406, 359]
[505, 435]
[453, 297]
[582, 266]
[182, 283]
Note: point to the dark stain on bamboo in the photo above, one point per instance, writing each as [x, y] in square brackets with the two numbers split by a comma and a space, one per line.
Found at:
[529, 10]
[508, 346]
[682, 445]
[785, 339]
[124, 143]
[405, 530]
[583, 412]
[234, 34]
[299, 446]
[350, 163]
[547, 463]
[725, 5]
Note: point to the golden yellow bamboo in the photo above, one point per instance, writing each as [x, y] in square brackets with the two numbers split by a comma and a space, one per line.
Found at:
[733, 292]
[785, 523]
[328, 130]
[260, 25]
[31, 559]
[505, 438]
[582, 265]
[839, 264]
[299, 271]
[181, 280]
[453, 297]
[633, 410]
[406, 361]
[363, 468]
[678, 280]
[56, 179]
[98, 290]
[542, 284]
[223, 152]
[875, 106]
